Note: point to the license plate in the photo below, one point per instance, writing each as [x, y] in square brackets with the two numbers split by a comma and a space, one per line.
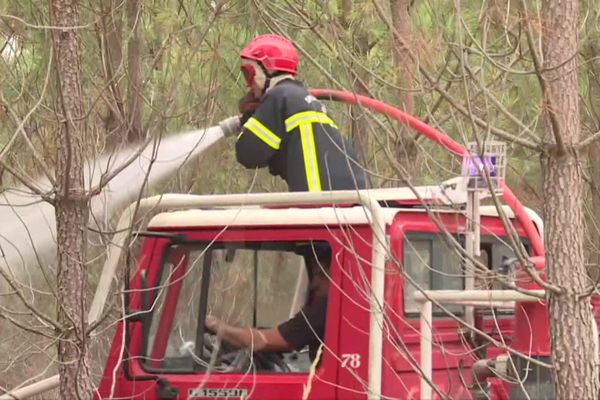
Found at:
[211, 393]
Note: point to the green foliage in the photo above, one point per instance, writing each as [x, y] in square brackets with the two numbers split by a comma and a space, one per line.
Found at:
[479, 57]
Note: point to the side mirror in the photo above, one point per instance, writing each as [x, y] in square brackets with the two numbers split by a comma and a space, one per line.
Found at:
[142, 314]
[507, 265]
[144, 293]
[230, 255]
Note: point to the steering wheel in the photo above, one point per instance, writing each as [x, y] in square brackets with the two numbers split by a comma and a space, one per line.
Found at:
[272, 358]
[217, 353]
[244, 360]
[229, 358]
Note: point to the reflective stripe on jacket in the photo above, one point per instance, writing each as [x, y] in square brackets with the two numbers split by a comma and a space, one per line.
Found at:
[291, 133]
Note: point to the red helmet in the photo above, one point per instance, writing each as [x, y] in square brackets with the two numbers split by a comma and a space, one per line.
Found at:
[275, 53]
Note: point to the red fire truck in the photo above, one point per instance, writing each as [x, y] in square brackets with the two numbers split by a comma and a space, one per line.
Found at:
[426, 298]
[239, 263]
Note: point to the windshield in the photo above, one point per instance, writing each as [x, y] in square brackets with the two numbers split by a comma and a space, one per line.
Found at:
[254, 285]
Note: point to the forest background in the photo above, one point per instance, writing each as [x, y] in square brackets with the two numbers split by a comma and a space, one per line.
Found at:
[151, 69]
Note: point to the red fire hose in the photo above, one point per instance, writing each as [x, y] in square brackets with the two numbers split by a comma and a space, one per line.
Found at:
[535, 239]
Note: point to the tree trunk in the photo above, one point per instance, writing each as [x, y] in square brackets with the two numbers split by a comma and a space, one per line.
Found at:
[360, 47]
[135, 101]
[401, 20]
[594, 226]
[406, 148]
[71, 205]
[112, 22]
[593, 69]
[571, 319]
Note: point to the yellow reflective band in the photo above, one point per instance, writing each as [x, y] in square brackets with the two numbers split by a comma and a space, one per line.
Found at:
[263, 133]
[307, 117]
[311, 164]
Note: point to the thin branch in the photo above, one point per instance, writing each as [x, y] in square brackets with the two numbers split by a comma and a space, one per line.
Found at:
[46, 196]
[496, 131]
[50, 27]
[18, 324]
[27, 304]
[21, 123]
[589, 140]
[107, 177]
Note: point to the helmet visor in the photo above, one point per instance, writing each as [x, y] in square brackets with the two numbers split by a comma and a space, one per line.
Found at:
[249, 73]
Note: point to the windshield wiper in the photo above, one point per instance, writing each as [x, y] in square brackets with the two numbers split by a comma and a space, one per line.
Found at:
[175, 237]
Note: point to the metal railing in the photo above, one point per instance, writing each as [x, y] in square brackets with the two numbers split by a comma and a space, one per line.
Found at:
[462, 297]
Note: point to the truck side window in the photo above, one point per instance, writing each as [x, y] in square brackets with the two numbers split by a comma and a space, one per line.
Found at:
[417, 259]
[176, 298]
[494, 251]
[432, 265]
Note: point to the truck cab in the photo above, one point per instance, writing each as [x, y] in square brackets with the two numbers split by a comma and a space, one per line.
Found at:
[246, 265]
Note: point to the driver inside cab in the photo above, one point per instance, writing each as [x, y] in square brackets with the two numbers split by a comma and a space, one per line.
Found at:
[306, 328]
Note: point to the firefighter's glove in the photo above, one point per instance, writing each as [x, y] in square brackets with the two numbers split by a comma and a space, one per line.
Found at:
[231, 126]
[248, 103]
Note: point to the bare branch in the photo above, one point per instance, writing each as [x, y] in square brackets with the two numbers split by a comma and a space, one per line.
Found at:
[496, 131]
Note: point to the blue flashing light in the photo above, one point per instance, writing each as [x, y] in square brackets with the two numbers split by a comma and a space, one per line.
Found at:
[476, 165]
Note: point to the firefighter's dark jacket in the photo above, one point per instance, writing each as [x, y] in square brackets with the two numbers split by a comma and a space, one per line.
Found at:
[291, 134]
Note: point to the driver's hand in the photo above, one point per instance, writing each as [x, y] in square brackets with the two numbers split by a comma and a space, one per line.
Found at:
[212, 324]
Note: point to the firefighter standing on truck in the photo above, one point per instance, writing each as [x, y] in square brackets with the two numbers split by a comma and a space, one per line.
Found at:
[286, 128]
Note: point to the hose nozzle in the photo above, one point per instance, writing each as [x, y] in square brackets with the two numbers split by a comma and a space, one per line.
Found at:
[230, 126]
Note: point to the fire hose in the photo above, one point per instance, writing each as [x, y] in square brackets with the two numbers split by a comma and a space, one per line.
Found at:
[441, 139]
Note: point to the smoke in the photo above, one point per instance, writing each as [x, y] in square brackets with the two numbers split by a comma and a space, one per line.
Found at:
[28, 228]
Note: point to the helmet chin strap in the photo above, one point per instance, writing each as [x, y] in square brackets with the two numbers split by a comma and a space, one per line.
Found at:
[265, 80]
[268, 81]
[260, 77]
[273, 81]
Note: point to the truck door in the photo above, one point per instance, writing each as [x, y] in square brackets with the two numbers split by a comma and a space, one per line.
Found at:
[428, 262]
[353, 354]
